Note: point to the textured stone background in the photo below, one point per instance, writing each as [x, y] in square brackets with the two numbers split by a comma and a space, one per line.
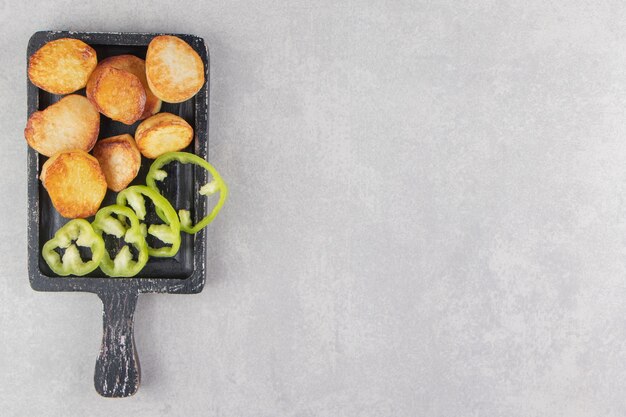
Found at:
[427, 216]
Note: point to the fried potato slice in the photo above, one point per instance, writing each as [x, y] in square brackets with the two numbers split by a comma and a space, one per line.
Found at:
[90, 88]
[174, 70]
[161, 133]
[135, 66]
[119, 159]
[62, 66]
[71, 123]
[118, 94]
[75, 183]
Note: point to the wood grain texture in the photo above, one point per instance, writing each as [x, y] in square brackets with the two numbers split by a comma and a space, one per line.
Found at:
[117, 368]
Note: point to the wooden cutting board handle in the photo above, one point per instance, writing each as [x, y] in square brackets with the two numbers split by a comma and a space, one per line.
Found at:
[117, 367]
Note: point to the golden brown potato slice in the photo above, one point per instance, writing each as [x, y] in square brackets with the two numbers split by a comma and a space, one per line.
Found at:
[90, 88]
[118, 94]
[135, 66]
[161, 133]
[175, 71]
[62, 66]
[75, 183]
[119, 159]
[71, 123]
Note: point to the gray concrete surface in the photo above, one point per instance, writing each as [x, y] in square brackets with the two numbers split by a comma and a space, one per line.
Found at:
[427, 216]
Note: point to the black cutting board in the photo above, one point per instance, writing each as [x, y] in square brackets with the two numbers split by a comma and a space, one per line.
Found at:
[117, 367]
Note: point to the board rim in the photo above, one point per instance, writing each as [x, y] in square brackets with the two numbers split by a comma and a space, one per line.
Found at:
[192, 284]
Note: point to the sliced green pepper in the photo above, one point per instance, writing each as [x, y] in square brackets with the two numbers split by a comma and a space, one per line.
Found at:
[123, 264]
[217, 184]
[77, 232]
[168, 233]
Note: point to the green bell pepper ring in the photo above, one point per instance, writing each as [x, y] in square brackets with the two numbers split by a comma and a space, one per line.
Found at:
[168, 233]
[217, 184]
[77, 232]
[123, 264]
